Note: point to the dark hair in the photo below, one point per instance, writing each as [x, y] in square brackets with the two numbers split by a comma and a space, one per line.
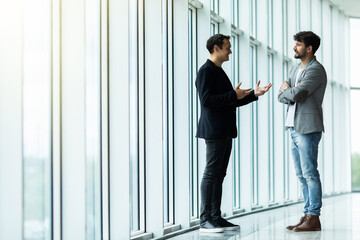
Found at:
[217, 40]
[309, 38]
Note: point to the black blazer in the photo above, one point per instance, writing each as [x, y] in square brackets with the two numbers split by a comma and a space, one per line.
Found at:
[218, 103]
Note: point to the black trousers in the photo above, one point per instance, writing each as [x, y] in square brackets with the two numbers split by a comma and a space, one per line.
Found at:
[217, 160]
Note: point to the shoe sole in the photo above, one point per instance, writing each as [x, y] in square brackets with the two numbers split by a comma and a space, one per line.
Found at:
[235, 228]
[212, 230]
[312, 230]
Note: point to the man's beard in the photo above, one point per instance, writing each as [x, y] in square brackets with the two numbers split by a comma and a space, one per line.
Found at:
[298, 55]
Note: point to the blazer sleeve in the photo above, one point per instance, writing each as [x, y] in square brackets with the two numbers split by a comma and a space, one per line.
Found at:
[247, 99]
[205, 84]
[313, 78]
[282, 99]
[281, 96]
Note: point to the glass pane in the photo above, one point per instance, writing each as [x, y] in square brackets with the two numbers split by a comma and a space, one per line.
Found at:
[168, 116]
[285, 27]
[254, 169]
[37, 120]
[236, 142]
[212, 29]
[355, 48]
[193, 101]
[235, 13]
[355, 139]
[134, 121]
[92, 114]
[253, 17]
[270, 23]
[271, 130]
[286, 142]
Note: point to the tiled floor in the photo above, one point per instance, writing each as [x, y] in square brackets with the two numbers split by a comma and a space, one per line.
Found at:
[340, 220]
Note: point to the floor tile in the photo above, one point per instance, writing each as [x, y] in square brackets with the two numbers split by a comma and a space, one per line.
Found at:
[340, 219]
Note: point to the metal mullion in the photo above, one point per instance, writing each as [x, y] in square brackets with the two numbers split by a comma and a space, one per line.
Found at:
[235, 141]
[141, 115]
[272, 153]
[193, 115]
[196, 108]
[190, 32]
[238, 112]
[271, 129]
[285, 143]
[255, 130]
[134, 158]
[165, 130]
[168, 111]
[105, 120]
[171, 111]
[252, 130]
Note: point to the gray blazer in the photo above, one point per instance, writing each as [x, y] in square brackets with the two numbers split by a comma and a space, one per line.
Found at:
[308, 95]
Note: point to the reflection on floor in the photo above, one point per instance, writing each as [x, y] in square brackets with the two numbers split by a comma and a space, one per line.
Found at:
[340, 220]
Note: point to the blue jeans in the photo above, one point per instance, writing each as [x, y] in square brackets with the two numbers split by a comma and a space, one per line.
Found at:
[304, 149]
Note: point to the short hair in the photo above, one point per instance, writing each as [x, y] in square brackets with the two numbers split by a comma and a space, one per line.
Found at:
[309, 38]
[217, 40]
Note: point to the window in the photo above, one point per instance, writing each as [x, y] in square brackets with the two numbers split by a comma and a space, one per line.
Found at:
[271, 99]
[168, 116]
[215, 19]
[286, 146]
[254, 129]
[354, 99]
[214, 6]
[92, 118]
[298, 15]
[270, 23]
[213, 28]
[253, 18]
[235, 13]
[137, 158]
[193, 109]
[285, 27]
[37, 150]
[236, 142]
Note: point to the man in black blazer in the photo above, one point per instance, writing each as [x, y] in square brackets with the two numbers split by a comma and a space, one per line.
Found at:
[217, 125]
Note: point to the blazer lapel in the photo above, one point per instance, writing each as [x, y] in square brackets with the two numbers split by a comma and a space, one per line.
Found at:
[306, 67]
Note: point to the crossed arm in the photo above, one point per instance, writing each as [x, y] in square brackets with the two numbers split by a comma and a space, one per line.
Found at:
[312, 80]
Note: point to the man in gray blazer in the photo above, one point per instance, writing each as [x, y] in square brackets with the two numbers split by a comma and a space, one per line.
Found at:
[304, 94]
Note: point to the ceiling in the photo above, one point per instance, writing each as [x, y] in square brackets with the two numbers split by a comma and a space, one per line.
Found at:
[350, 7]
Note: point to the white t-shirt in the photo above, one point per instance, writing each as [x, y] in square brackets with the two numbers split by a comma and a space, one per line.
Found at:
[291, 111]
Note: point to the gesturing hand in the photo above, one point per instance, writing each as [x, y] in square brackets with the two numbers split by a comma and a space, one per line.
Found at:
[241, 93]
[261, 90]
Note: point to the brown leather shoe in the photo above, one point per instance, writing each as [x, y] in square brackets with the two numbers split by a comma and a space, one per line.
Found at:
[312, 223]
[302, 219]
